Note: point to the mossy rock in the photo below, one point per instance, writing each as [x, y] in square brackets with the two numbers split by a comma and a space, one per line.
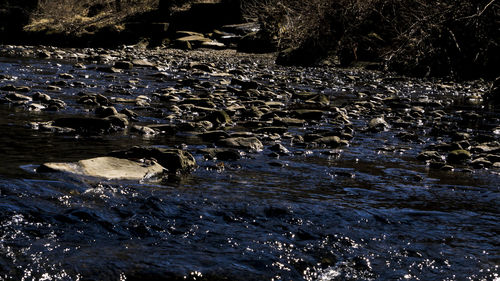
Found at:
[458, 156]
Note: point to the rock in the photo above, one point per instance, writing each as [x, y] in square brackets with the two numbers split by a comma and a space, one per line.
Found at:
[88, 125]
[248, 143]
[48, 127]
[222, 154]
[308, 114]
[203, 102]
[378, 124]
[108, 69]
[285, 121]
[245, 85]
[118, 120]
[110, 168]
[280, 149]
[191, 41]
[174, 160]
[330, 141]
[213, 45]
[14, 97]
[213, 135]
[480, 163]
[272, 130]
[143, 63]
[66, 76]
[143, 130]
[493, 158]
[458, 156]
[41, 97]
[130, 114]
[35, 107]
[12, 88]
[201, 66]
[125, 65]
[429, 155]
[218, 118]
[93, 99]
[105, 111]
[200, 126]
[55, 105]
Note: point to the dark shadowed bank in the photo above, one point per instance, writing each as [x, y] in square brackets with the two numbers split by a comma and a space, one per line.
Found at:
[458, 39]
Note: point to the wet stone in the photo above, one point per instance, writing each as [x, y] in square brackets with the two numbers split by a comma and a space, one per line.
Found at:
[378, 124]
[429, 155]
[106, 167]
[125, 65]
[66, 76]
[41, 97]
[18, 97]
[308, 114]
[12, 88]
[213, 136]
[143, 130]
[330, 141]
[105, 111]
[85, 124]
[458, 156]
[222, 154]
[247, 143]
[218, 118]
[174, 160]
[480, 163]
[279, 149]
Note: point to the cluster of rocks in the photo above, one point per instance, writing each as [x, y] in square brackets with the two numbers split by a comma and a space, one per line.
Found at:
[236, 106]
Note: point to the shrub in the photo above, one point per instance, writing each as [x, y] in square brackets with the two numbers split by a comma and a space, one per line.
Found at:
[449, 37]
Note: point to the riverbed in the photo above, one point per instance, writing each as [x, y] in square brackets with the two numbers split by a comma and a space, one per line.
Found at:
[340, 189]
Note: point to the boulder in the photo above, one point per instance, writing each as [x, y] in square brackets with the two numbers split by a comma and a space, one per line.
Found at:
[378, 124]
[218, 118]
[174, 160]
[429, 155]
[248, 143]
[106, 167]
[222, 154]
[92, 125]
[330, 141]
[308, 114]
[191, 41]
[458, 156]
[83, 124]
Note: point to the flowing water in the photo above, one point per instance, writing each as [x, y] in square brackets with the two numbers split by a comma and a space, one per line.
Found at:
[365, 213]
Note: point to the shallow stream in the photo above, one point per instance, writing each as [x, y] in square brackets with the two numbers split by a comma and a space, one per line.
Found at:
[367, 211]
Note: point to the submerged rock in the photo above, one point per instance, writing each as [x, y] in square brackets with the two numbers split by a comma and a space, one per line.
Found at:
[106, 167]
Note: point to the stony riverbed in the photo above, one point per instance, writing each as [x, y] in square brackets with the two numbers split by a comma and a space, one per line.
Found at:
[264, 171]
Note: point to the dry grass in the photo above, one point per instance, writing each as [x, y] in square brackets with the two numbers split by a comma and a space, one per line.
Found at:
[77, 16]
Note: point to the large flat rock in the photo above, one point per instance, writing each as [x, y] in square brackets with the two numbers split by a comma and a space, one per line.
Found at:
[106, 167]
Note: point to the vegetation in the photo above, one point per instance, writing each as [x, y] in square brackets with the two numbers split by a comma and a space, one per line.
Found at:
[459, 38]
[76, 17]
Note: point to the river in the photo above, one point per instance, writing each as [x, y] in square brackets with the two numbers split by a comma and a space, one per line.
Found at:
[366, 211]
